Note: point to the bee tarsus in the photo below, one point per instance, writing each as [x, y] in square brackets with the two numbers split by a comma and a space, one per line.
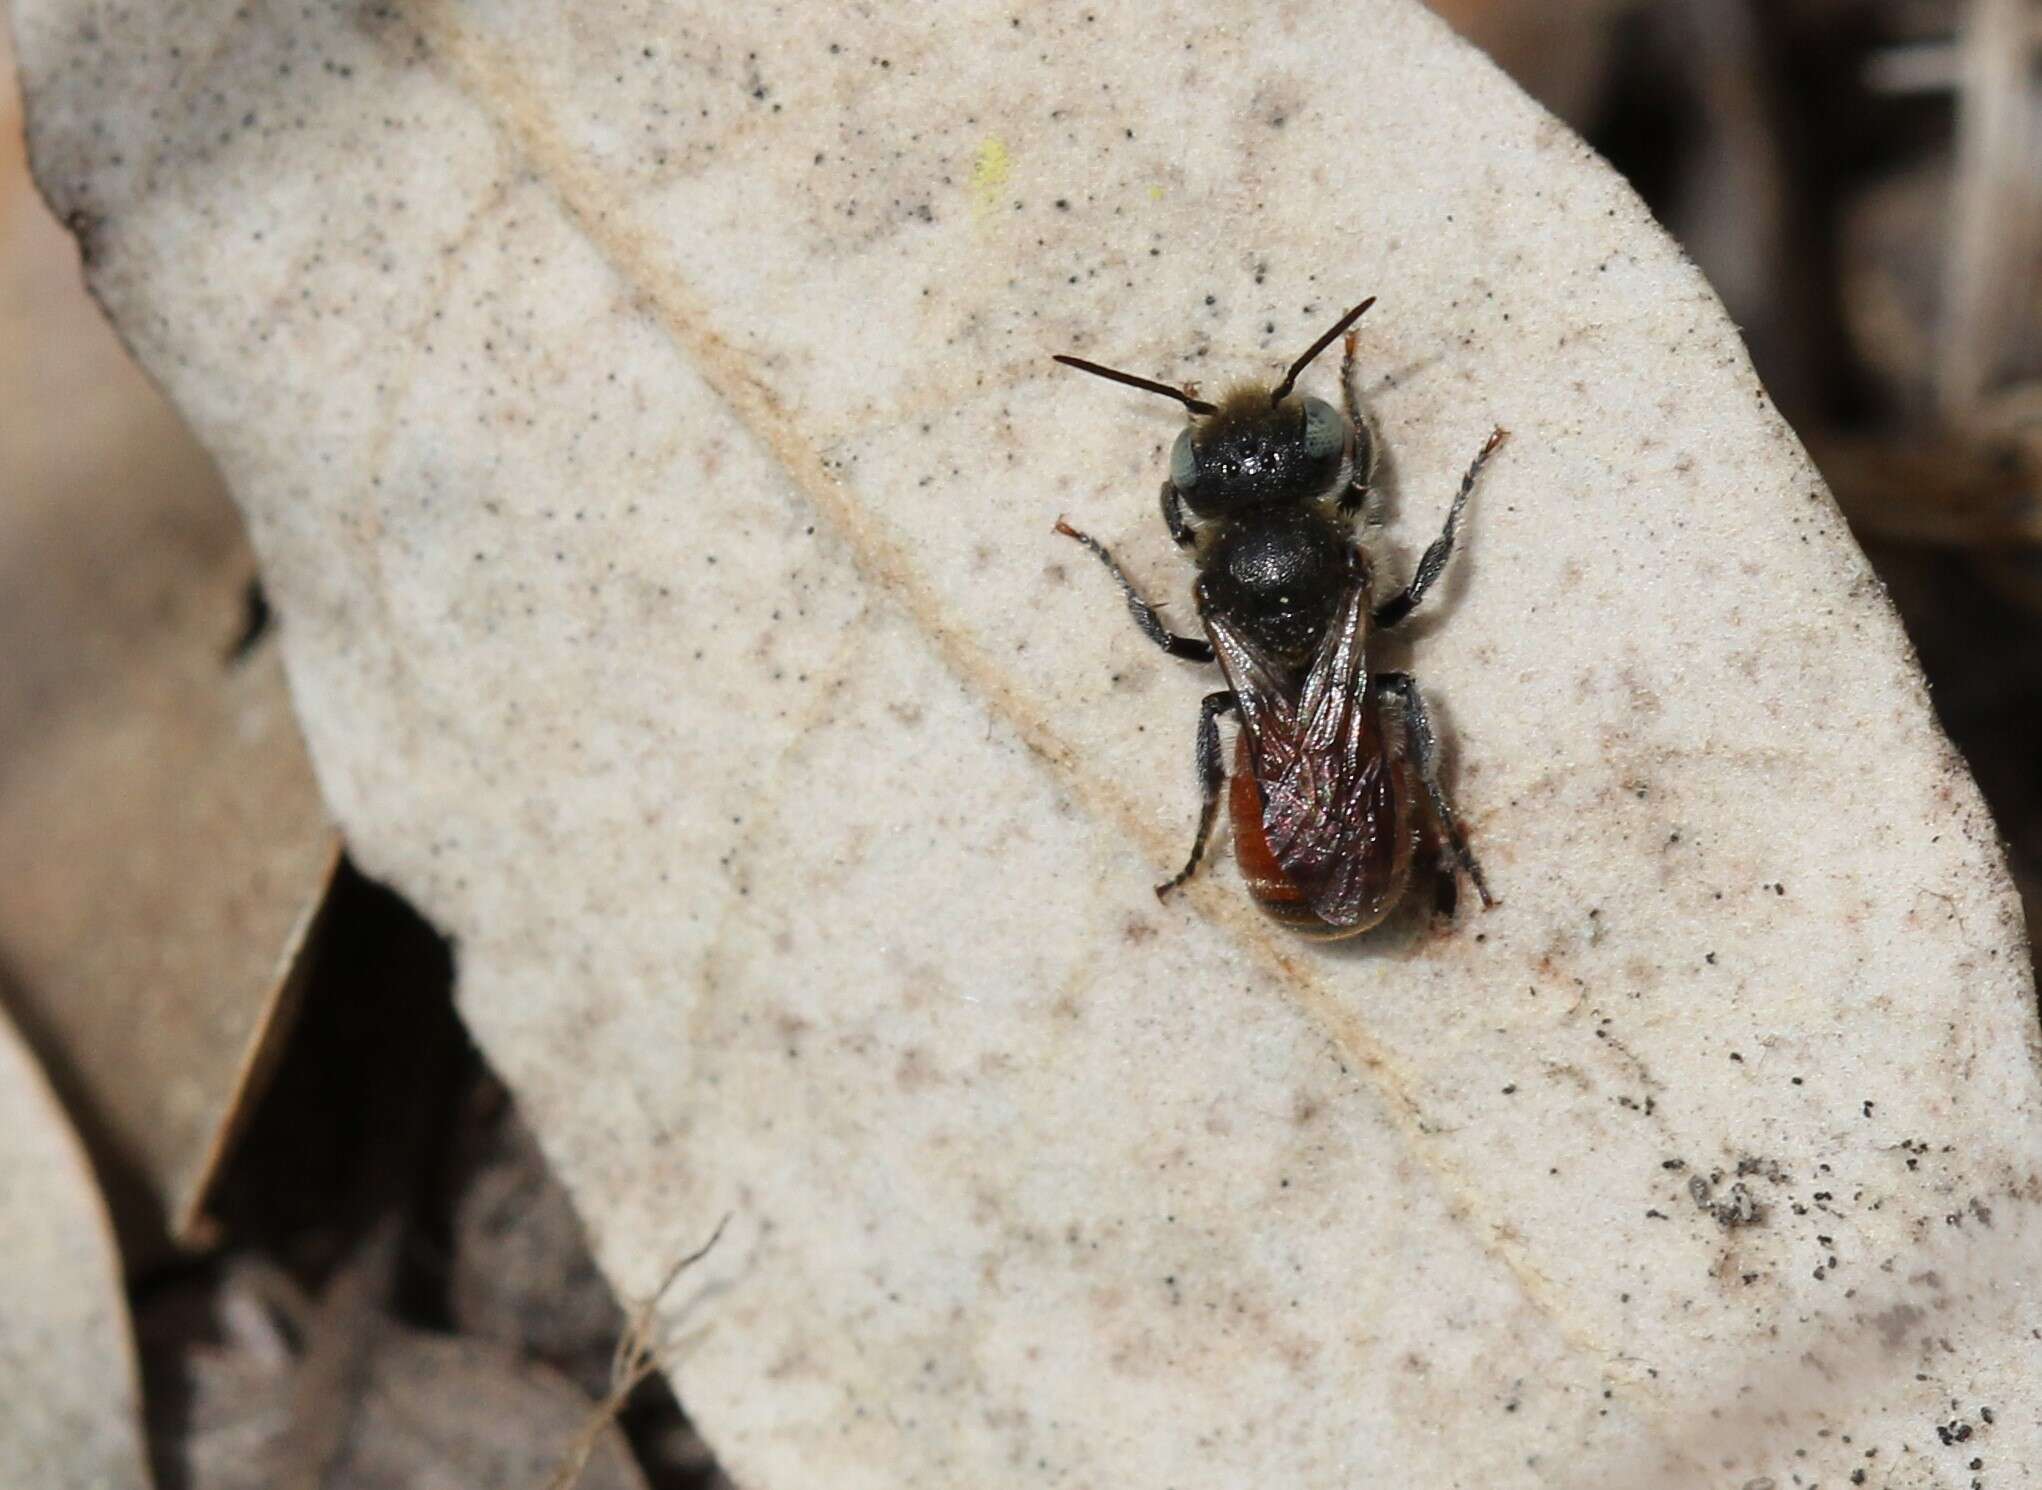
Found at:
[1212, 779]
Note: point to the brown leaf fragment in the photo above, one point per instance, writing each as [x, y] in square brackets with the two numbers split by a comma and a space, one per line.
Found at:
[162, 840]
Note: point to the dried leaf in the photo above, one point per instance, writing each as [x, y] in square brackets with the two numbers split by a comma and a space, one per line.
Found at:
[1995, 207]
[1559, 51]
[69, 1396]
[521, 1273]
[457, 1413]
[647, 424]
[1952, 490]
[162, 842]
[426, 1412]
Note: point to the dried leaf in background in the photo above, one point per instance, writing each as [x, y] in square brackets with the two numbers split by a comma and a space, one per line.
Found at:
[647, 426]
[162, 841]
[69, 1398]
[521, 1273]
[1995, 259]
[1558, 51]
[418, 1410]
[459, 1413]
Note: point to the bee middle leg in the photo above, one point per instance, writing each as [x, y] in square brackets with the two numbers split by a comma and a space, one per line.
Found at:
[1212, 775]
[1424, 754]
[1433, 563]
[1190, 648]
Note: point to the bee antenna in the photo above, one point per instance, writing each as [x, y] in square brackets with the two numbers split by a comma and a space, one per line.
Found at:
[1290, 378]
[1148, 385]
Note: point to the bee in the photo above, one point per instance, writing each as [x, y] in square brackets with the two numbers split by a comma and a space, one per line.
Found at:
[1336, 771]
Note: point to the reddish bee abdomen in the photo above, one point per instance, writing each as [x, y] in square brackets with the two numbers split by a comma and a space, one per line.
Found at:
[1388, 864]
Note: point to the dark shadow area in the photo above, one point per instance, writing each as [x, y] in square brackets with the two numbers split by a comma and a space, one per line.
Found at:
[350, 1185]
[255, 620]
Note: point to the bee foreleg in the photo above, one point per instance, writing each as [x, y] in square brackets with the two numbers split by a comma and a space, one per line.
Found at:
[1355, 497]
[1192, 649]
[1424, 755]
[1212, 775]
[1400, 605]
[1174, 519]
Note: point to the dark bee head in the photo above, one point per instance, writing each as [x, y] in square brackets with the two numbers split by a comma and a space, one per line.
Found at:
[1251, 452]
[1279, 580]
[1259, 447]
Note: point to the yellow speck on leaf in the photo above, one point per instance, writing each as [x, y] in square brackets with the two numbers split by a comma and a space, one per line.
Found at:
[989, 170]
[1155, 194]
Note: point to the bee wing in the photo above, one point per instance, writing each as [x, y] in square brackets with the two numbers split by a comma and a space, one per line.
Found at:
[1331, 808]
[1268, 712]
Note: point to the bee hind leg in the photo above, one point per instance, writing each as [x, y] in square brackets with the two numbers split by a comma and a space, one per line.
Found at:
[1446, 885]
[1212, 775]
[1190, 648]
[1425, 755]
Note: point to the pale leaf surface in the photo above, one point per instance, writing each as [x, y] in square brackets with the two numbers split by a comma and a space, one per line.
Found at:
[646, 425]
[69, 1394]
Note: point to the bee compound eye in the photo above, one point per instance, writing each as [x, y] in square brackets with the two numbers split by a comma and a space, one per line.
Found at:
[1325, 429]
[1183, 463]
